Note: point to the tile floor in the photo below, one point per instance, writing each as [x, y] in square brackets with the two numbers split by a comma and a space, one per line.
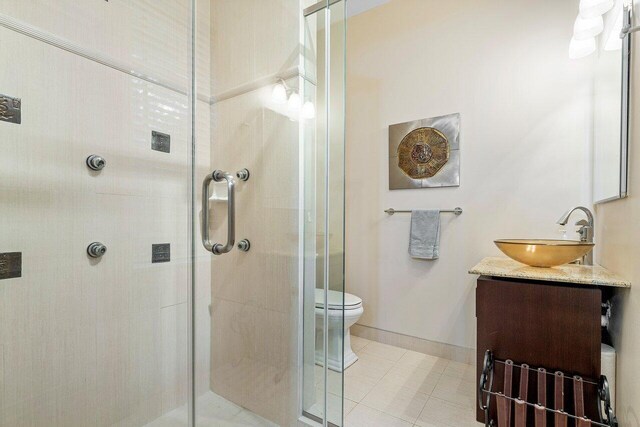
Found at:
[393, 387]
[387, 387]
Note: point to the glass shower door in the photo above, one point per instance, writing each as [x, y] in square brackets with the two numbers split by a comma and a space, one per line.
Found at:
[266, 119]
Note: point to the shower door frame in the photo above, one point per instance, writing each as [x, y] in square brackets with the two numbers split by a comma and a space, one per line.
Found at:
[328, 196]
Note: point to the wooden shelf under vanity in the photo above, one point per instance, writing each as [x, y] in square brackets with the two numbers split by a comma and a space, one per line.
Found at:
[544, 317]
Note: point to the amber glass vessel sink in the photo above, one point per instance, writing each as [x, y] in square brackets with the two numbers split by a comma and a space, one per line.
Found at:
[543, 253]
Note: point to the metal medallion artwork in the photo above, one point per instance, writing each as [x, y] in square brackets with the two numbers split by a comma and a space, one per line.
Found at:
[10, 265]
[160, 253]
[160, 142]
[10, 109]
[425, 153]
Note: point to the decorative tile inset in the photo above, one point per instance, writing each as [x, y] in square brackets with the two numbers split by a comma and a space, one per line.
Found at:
[10, 265]
[10, 109]
[160, 142]
[161, 253]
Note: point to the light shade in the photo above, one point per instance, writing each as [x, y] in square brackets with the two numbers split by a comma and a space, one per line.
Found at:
[308, 110]
[593, 8]
[581, 48]
[279, 94]
[295, 103]
[614, 42]
[586, 28]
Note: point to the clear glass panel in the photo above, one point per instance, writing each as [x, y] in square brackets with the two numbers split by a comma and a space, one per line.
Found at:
[254, 296]
[157, 330]
[315, 180]
[98, 341]
[336, 206]
[324, 214]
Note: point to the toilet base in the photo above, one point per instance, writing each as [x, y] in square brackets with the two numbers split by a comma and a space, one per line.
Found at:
[334, 361]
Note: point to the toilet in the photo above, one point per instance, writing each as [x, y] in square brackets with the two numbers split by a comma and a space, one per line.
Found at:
[352, 312]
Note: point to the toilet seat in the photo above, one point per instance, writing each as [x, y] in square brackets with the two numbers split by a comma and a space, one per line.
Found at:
[335, 299]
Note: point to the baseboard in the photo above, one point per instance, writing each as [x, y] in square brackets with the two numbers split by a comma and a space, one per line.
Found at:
[433, 348]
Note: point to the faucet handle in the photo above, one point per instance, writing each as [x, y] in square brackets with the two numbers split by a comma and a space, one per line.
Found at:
[585, 231]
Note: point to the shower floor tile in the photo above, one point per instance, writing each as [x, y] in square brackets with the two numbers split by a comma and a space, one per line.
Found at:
[213, 411]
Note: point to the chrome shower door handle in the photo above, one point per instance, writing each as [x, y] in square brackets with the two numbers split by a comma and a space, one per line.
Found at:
[219, 248]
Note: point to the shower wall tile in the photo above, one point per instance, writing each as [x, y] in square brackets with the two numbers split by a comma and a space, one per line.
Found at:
[203, 259]
[151, 37]
[252, 39]
[251, 362]
[2, 403]
[254, 294]
[203, 48]
[48, 315]
[64, 408]
[203, 323]
[124, 111]
[174, 356]
[129, 383]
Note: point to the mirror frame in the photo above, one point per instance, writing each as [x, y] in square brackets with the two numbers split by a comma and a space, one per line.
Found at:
[625, 110]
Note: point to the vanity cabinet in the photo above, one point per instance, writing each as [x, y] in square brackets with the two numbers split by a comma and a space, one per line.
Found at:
[543, 324]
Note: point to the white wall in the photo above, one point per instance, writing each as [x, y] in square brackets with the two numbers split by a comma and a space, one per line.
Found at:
[618, 231]
[524, 141]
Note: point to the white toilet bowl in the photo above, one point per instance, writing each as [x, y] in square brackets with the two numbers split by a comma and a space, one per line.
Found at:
[352, 310]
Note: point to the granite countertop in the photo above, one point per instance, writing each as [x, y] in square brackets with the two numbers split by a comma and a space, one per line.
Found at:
[594, 275]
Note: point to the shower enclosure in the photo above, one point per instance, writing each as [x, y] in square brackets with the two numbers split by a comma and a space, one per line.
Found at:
[165, 218]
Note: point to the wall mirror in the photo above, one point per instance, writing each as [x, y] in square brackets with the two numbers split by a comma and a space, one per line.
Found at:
[611, 102]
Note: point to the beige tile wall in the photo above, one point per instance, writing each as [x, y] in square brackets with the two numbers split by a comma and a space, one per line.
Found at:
[149, 35]
[252, 39]
[254, 295]
[86, 342]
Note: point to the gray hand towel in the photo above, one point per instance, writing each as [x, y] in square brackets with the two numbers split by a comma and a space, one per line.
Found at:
[424, 237]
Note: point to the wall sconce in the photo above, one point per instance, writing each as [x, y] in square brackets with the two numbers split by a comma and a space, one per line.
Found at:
[279, 93]
[282, 94]
[295, 103]
[308, 110]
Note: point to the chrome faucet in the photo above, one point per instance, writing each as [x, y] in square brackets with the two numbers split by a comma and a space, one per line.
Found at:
[586, 229]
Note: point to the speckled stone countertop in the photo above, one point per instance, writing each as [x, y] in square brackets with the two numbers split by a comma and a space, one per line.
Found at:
[569, 273]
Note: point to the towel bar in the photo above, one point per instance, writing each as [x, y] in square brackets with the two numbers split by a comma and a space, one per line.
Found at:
[457, 211]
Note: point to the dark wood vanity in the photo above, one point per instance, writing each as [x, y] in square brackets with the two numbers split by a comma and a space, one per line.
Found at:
[543, 323]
